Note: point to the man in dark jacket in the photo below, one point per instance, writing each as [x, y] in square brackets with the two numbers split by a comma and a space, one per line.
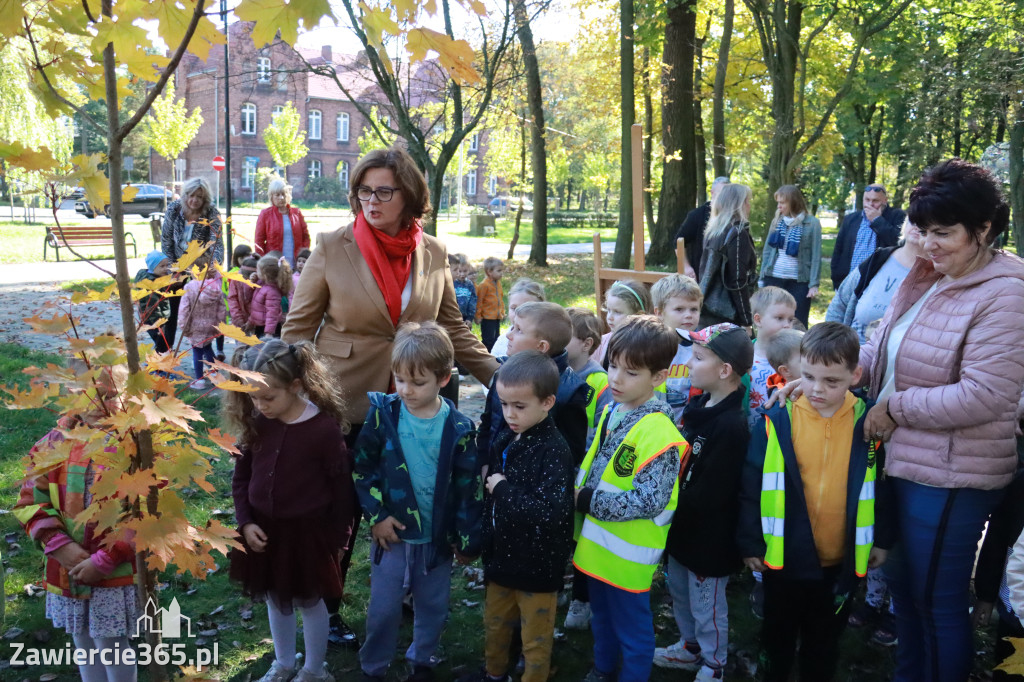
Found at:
[528, 517]
[692, 230]
[878, 225]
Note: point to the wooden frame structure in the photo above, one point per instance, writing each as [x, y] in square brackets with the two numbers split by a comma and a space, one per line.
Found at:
[605, 277]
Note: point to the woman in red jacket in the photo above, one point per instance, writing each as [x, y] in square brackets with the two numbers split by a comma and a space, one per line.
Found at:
[280, 226]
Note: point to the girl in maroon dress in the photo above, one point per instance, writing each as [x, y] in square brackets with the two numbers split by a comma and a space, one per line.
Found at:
[293, 493]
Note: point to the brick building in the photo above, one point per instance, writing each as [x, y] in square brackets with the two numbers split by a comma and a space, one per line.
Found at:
[262, 81]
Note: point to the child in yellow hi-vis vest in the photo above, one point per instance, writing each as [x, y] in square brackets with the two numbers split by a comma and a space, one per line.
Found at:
[626, 492]
[808, 507]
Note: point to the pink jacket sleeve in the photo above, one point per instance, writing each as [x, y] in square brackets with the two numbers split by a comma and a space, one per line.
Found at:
[272, 301]
[991, 373]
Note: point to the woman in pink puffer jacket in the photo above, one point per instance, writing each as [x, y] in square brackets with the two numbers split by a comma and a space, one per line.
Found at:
[202, 309]
[946, 368]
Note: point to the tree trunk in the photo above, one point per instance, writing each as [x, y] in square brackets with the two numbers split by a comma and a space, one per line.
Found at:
[783, 76]
[624, 237]
[700, 144]
[522, 183]
[679, 170]
[538, 152]
[648, 139]
[1017, 178]
[718, 161]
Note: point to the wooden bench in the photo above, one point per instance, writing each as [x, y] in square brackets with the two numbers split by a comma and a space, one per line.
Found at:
[83, 235]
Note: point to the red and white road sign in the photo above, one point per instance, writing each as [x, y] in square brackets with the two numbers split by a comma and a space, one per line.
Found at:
[218, 163]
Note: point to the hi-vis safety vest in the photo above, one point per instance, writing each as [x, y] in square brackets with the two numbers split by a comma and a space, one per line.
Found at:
[626, 553]
[773, 500]
[599, 382]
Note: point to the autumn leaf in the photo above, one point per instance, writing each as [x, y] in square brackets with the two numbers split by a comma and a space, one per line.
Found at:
[456, 56]
[11, 13]
[236, 276]
[132, 485]
[243, 374]
[90, 295]
[1014, 664]
[272, 16]
[194, 251]
[58, 324]
[87, 174]
[219, 537]
[377, 22]
[230, 331]
[174, 19]
[167, 408]
[224, 440]
[15, 153]
[129, 43]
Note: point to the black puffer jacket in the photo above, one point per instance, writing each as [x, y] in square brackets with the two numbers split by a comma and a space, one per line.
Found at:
[527, 524]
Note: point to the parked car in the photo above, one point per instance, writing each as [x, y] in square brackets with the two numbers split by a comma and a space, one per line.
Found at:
[149, 199]
[500, 206]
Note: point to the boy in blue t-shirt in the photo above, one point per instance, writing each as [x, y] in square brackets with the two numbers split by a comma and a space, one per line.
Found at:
[413, 444]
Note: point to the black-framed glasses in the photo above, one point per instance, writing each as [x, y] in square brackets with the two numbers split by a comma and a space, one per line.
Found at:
[383, 194]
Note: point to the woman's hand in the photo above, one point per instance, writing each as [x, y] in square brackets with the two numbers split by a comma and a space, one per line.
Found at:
[877, 423]
[812, 292]
[86, 572]
[492, 482]
[791, 391]
[254, 536]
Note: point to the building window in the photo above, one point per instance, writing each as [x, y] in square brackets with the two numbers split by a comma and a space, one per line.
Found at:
[278, 108]
[315, 119]
[314, 169]
[492, 185]
[343, 174]
[474, 142]
[263, 69]
[249, 170]
[278, 171]
[343, 120]
[471, 182]
[248, 118]
[282, 80]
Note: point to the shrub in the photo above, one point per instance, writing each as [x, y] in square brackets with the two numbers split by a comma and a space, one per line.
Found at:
[324, 190]
[590, 220]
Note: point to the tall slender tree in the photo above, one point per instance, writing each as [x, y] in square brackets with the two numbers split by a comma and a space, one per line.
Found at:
[538, 149]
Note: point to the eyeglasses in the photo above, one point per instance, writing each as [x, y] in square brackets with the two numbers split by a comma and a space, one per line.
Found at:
[383, 194]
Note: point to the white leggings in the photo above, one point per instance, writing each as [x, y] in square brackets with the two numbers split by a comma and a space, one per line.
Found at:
[314, 634]
[96, 671]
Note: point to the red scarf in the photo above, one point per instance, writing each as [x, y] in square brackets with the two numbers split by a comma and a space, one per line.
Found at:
[389, 258]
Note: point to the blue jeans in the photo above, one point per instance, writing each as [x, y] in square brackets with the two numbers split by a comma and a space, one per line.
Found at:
[623, 627]
[392, 574]
[199, 354]
[929, 573]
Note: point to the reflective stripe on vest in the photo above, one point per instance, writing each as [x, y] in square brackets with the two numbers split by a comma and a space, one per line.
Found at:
[599, 382]
[626, 553]
[773, 500]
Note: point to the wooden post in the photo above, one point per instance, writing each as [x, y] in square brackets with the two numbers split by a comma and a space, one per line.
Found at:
[637, 145]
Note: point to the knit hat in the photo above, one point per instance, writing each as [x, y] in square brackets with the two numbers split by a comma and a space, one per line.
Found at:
[730, 343]
[154, 259]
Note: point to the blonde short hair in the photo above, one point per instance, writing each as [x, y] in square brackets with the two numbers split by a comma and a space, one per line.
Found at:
[766, 297]
[553, 323]
[781, 347]
[279, 186]
[675, 286]
[528, 287]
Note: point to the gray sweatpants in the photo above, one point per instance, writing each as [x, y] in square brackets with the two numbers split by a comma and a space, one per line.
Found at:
[701, 612]
[392, 574]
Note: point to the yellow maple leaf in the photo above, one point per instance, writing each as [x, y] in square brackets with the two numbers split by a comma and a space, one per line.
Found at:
[133, 485]
[87, 174]
[236, 276]
[1014, 664]
[129, 43]
[194, 251]
[58, 324]
[173, 19]
[18, 155]
[167, 408]
[224, 440]
[230, 331]
[284, 16]
[243, 374]
[478, 7]
[376, 22]
[11, 13]
[219, 537]
[90, 295]
[456, 56]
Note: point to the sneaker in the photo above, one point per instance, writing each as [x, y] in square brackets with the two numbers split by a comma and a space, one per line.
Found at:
[306, 676]
[199, 385]
[578, 617]
[341, 635]
[885, 632]
[421, 673]
[221, 357]
[757, 600]
[278, 673]
[863, 614]
[597, 676]
[707, 674]
[677, 656]
[482, 676]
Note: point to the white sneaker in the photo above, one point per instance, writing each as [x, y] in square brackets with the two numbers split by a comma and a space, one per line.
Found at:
[199, 385]
[677, 656]
[306, 676]
[278, 673]
[578, 617]
[707, 674]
